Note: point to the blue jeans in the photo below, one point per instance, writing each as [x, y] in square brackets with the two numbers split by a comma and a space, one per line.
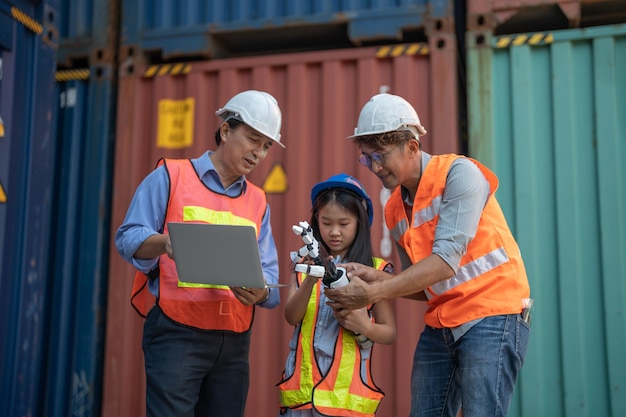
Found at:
[193, 373]
[477, 372]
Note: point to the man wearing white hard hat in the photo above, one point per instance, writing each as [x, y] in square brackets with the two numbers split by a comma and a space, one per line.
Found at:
[458, 254]
[197, 338]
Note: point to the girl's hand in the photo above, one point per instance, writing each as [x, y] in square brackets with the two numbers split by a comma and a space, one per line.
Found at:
[357, 321]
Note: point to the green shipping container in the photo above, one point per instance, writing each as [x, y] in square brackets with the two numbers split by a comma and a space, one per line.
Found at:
[547, 112]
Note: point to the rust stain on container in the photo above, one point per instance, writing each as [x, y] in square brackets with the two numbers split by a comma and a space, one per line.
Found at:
[514, 16]
[321, 95]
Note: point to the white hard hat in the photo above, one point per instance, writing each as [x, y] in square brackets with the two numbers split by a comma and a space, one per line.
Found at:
[386, 113]
[257, 109]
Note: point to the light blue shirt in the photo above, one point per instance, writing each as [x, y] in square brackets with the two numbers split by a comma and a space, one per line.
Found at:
[146, 216]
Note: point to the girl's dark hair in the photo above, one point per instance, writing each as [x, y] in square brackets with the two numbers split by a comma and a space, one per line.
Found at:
[361, 249]
[232, 123]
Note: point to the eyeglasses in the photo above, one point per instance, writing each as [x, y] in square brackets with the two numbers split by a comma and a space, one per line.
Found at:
[378, 157]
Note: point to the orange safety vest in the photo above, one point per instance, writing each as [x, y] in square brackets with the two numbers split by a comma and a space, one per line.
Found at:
[341, 392]
[491, 279]
[208, 307]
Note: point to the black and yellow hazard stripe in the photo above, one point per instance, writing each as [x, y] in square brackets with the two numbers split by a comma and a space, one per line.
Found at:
[26, 20]
[533, 39]
[73, 74]
[3, 194]
[391, 51]
[167, 69]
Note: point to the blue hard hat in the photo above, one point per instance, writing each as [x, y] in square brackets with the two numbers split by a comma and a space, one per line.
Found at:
[346, 182]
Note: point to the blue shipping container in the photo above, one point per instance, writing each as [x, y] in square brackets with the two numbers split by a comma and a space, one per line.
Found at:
[172, 29]
[80, 249]
[88, 32]
[27, 64]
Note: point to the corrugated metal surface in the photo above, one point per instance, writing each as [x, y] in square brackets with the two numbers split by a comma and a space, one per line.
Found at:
[27, 65]
[515, 16]
[88, 32]
[547, 113]
[173, 29]
[80, 250]
[86, 100]
[321, 95]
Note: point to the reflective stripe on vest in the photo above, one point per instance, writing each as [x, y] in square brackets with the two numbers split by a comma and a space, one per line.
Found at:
[469, 271]
[215, 307]
[491, 272]
[341, 392]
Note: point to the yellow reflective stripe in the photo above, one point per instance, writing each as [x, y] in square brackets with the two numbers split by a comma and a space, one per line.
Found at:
[183, 284]
[341, 397]
[354, 402]
[196, 213]
[348, 360]
[303, 394]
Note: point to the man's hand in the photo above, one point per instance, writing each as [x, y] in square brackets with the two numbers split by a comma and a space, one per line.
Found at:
[250, 296]
[355, 295]
[366, 273]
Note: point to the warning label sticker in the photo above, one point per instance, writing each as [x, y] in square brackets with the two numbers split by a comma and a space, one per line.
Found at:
[175, 123]
[276, 180]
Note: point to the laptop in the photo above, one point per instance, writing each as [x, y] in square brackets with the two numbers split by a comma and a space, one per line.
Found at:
[217, 254]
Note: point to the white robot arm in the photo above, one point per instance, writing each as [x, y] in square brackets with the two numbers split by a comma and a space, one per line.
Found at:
[311, 248]
[333, 277]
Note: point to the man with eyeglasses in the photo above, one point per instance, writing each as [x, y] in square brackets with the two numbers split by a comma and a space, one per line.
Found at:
[457, 253]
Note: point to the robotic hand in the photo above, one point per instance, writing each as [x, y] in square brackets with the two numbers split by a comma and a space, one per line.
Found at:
[332, 275]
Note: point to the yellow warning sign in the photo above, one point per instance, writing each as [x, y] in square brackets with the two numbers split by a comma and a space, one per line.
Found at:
[175, 123]
[1, 127]
[276, 181]
[3, 195]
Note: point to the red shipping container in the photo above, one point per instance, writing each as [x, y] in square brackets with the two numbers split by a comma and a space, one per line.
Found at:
[321, 94]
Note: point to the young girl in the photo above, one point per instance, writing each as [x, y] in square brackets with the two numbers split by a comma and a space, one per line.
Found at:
[327, 371]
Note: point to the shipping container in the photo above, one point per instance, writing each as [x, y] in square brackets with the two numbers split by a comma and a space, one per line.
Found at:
[521, 16]
[321, 94]
[80, 249]
[546, 112]
[170, 30]
[28, 40]
[88, 33]
[86, 96]
[85, 100]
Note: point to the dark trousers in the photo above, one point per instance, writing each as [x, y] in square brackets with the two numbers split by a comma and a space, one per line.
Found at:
[194, 373]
